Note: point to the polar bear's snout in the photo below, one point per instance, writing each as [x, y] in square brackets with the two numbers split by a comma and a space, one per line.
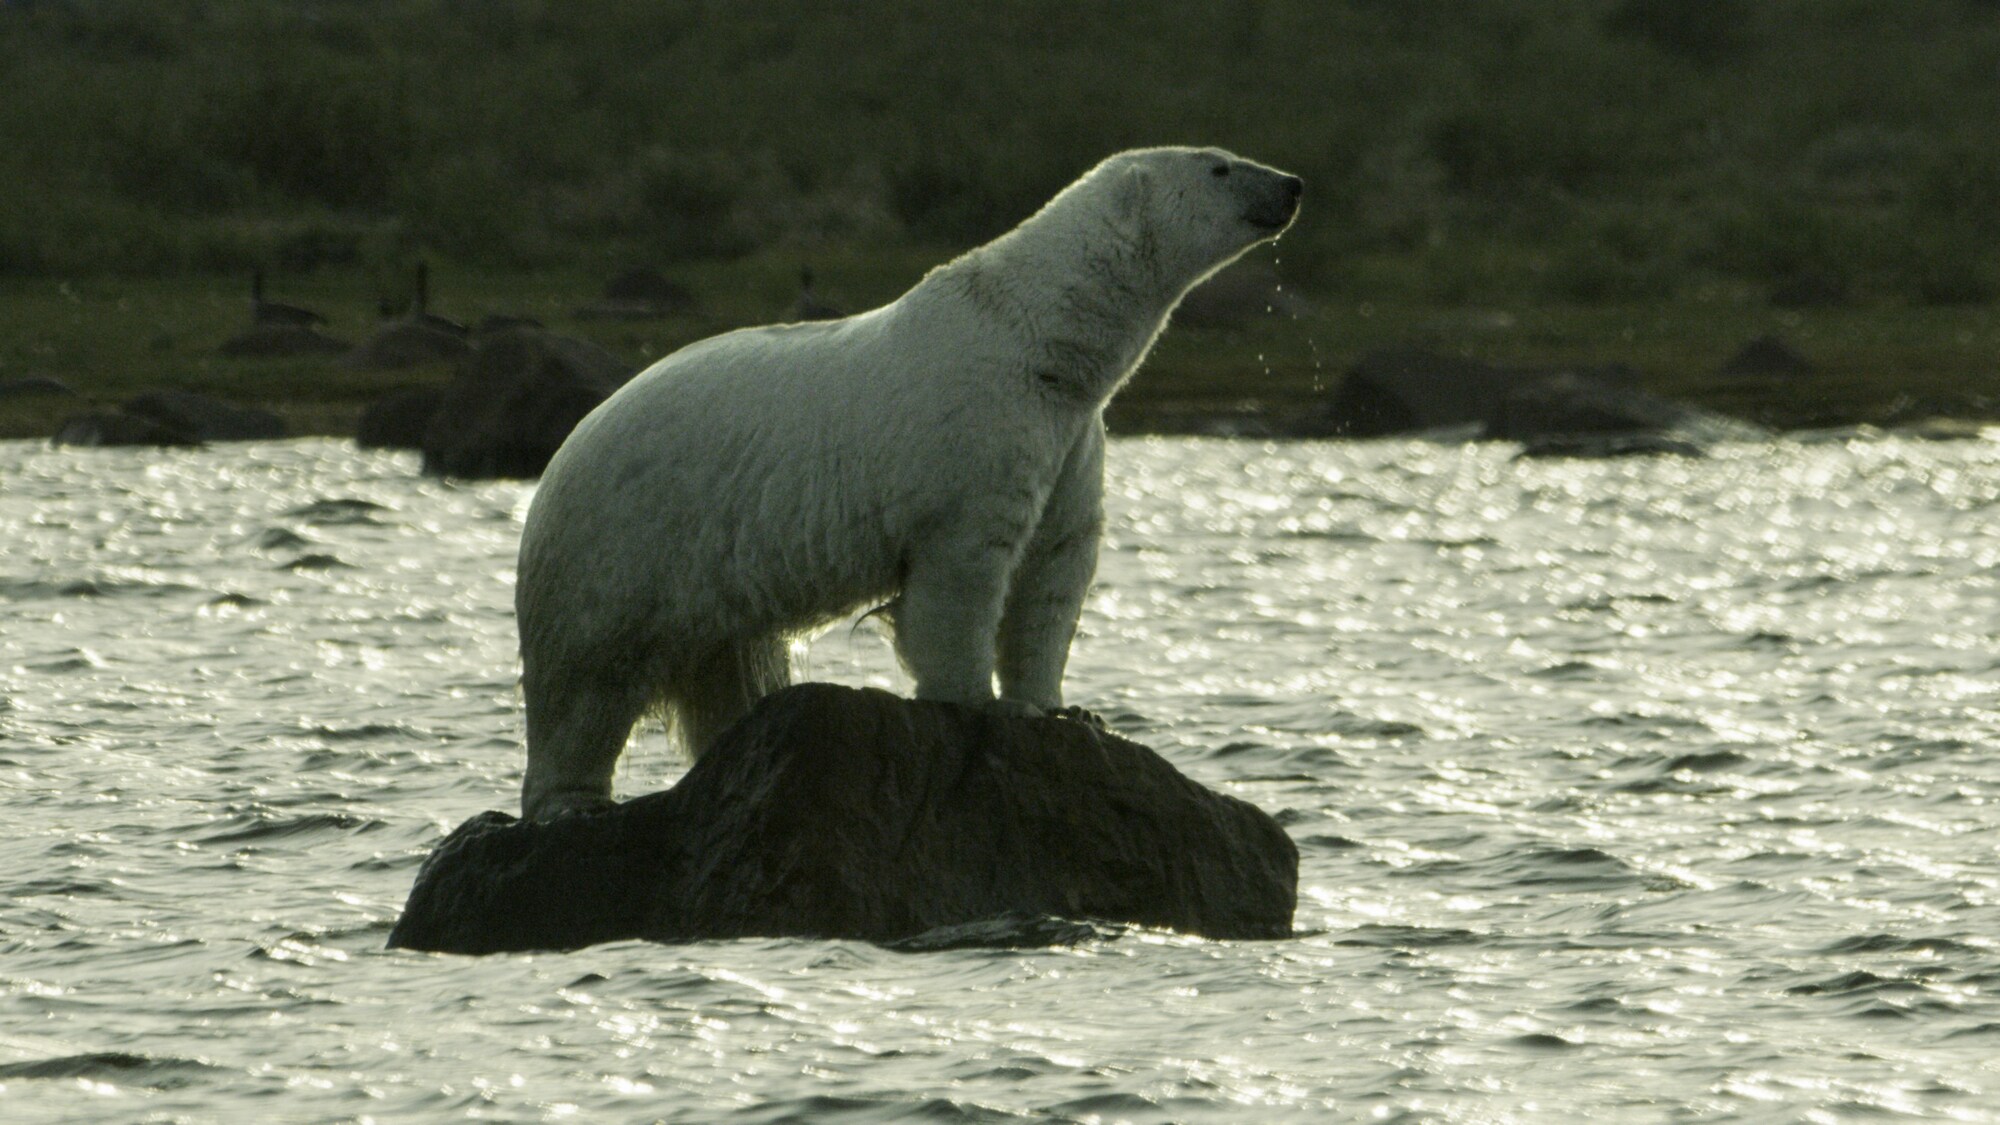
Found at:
[1276, 201]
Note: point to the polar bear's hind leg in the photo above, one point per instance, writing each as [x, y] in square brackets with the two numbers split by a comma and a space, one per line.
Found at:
[703, 701]
[577, 726]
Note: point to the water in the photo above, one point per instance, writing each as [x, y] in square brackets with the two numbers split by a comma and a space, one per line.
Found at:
[1648, 790]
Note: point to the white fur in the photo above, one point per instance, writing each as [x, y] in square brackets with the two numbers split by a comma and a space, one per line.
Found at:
[944, 451]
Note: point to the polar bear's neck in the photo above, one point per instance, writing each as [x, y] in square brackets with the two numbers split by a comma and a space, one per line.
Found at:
[1082, 299]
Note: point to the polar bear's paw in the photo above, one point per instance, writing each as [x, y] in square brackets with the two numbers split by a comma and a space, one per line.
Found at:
[1011, 709]
[1082, 715]
[558, 806]
[1018, 709]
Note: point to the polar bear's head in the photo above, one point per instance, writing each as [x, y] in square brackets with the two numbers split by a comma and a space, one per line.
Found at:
[1197, 209]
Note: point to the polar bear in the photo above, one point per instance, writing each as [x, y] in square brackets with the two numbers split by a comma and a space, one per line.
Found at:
[942, 454]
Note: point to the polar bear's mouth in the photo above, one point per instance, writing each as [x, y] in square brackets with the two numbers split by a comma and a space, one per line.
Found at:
[1275, 211]
[1275, 217]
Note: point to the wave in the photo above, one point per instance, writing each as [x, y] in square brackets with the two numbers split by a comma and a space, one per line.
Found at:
[115, 1067]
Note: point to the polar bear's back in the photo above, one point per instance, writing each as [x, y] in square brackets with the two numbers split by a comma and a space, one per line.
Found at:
[752, 381]
[681, 501]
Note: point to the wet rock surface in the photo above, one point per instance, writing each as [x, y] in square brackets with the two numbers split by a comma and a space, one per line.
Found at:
[264, 341]
[1579, 407]
[515, 398]
[170, 418]
[640, 293]
[206, 418]
[832, 812]
[399, 419]
[410, 343]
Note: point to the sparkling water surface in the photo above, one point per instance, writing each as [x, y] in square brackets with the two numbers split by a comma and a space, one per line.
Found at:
[1653, 789]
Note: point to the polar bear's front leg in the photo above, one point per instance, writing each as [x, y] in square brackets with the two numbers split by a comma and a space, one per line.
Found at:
[1046, 594]
[947, 618]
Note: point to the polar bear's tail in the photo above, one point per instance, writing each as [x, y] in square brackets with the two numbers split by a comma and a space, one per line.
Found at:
[701, 702]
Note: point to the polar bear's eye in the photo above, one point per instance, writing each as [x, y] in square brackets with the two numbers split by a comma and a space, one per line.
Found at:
[1219, 170]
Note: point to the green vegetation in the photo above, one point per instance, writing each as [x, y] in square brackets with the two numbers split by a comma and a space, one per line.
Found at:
[1626, 179]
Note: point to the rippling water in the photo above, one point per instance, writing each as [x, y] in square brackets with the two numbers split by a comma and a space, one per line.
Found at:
[1651, 789]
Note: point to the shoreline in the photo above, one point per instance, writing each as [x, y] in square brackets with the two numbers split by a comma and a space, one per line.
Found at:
[107, 339]
[1167, 419]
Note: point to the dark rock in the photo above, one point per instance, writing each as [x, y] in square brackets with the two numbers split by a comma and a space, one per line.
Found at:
[1950, 415]
[651, 287]
[276, 313]
[1242, 294]
[409, 343]
[399, 419]
[1618, 375]
[30, 386]
[1767, 355]
[1417, 391]
[1600, 446]
[208, 419]
[832, 812]
[1578, 414]
[515, 398]
[501, 322]
[109, 428]
[1409, 390]
[1413, 390]
[1570, 404]
[608, 309]
[262, 341]
[639, 294]
[170, 417]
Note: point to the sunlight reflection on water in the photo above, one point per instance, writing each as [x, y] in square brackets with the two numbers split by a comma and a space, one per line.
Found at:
[1639, 789]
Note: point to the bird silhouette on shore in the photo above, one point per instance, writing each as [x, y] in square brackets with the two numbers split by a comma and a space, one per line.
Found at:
[277, 312]
[421, 313]
[415, 309]
[809, 305]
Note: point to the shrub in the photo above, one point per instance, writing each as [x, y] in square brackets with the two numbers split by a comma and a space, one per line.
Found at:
[1705, 31]
[314, 130]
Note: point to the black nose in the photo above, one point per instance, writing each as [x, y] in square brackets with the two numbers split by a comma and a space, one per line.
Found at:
[1294, 186]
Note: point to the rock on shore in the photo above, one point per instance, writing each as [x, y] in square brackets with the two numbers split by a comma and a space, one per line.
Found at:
[1412, 390]
[170, 417]
[516, 395]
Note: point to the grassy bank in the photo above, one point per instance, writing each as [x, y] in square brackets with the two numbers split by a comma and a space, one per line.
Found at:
[110, 337]
[1458, 151]
[1530, 181]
